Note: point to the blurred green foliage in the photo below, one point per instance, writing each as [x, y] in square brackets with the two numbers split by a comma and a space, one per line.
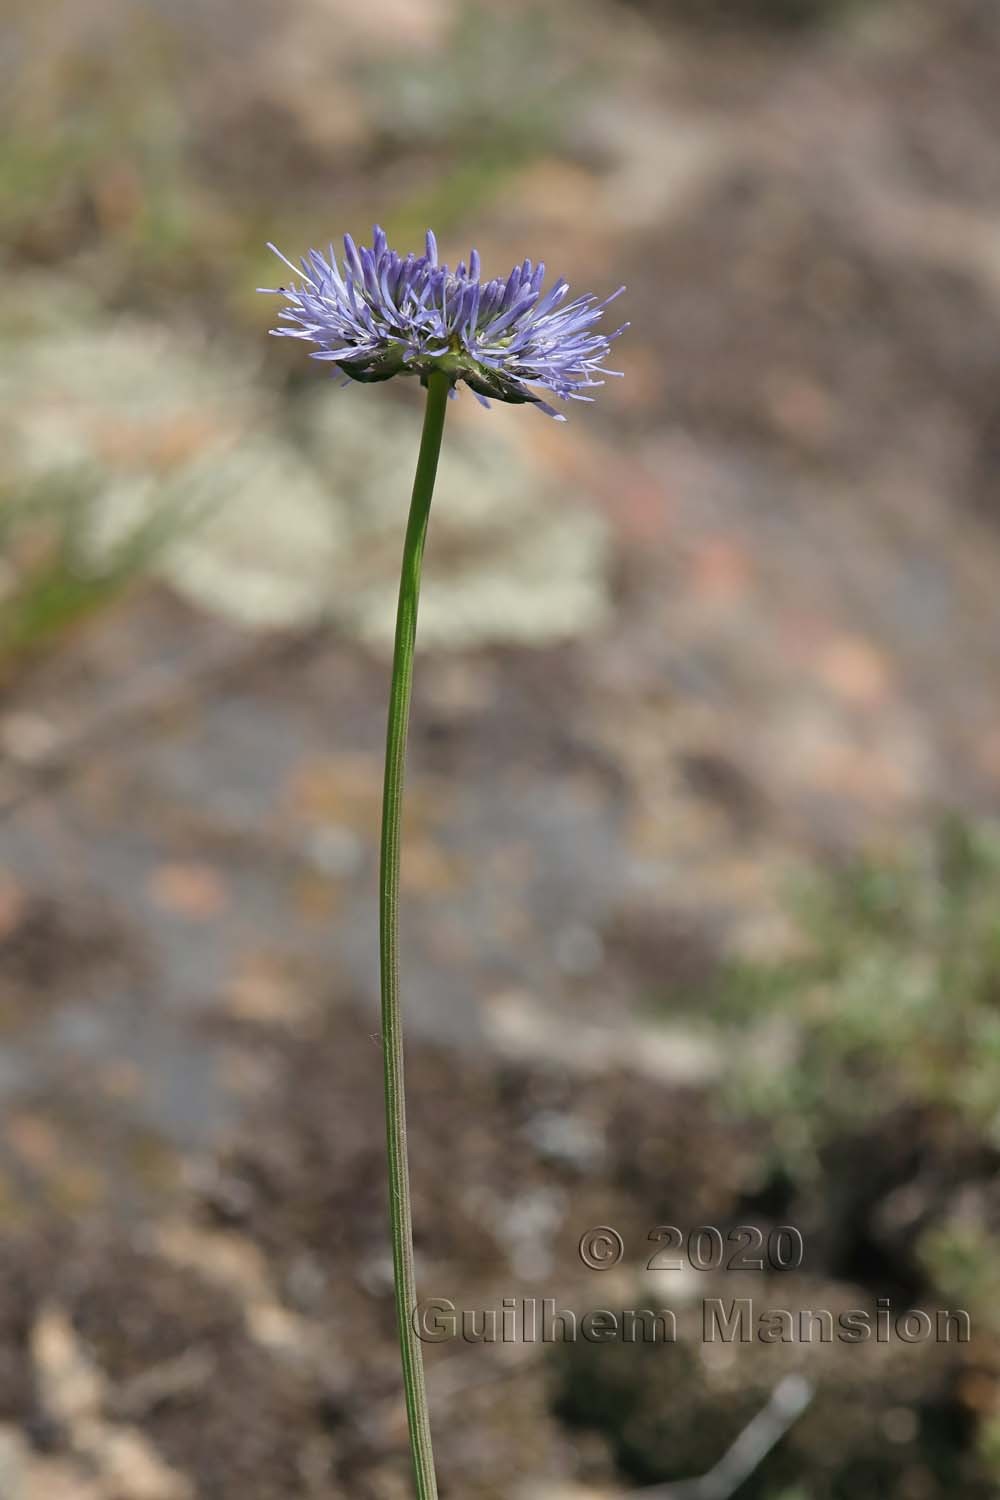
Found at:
[892, 998]
[777, 14]
[498, 96]
[52, 578]
[962, 1260]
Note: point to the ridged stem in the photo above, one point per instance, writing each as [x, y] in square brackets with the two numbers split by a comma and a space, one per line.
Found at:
[400, 1211]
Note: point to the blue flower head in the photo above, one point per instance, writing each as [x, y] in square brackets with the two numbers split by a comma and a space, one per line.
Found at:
[384, 314]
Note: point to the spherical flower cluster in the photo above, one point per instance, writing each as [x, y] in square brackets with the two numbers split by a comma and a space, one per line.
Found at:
[385, 314]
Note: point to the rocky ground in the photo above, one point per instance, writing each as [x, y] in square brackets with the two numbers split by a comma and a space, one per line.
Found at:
[737, 620]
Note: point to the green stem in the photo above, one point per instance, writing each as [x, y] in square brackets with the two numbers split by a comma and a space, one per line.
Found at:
[400, 1212]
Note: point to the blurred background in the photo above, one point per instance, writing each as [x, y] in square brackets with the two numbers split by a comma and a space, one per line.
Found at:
[701, 912]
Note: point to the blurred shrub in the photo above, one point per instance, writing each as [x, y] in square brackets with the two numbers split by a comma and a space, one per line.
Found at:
[501, 78]
[893, 999]
[94, 138]
[51, 578]
[723, 15]
[500, 93]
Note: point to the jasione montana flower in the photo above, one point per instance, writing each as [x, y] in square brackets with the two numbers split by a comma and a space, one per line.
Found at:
[385, 314]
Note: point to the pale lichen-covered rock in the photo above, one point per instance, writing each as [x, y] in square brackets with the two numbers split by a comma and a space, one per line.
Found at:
[279, 532]
[507, 559]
